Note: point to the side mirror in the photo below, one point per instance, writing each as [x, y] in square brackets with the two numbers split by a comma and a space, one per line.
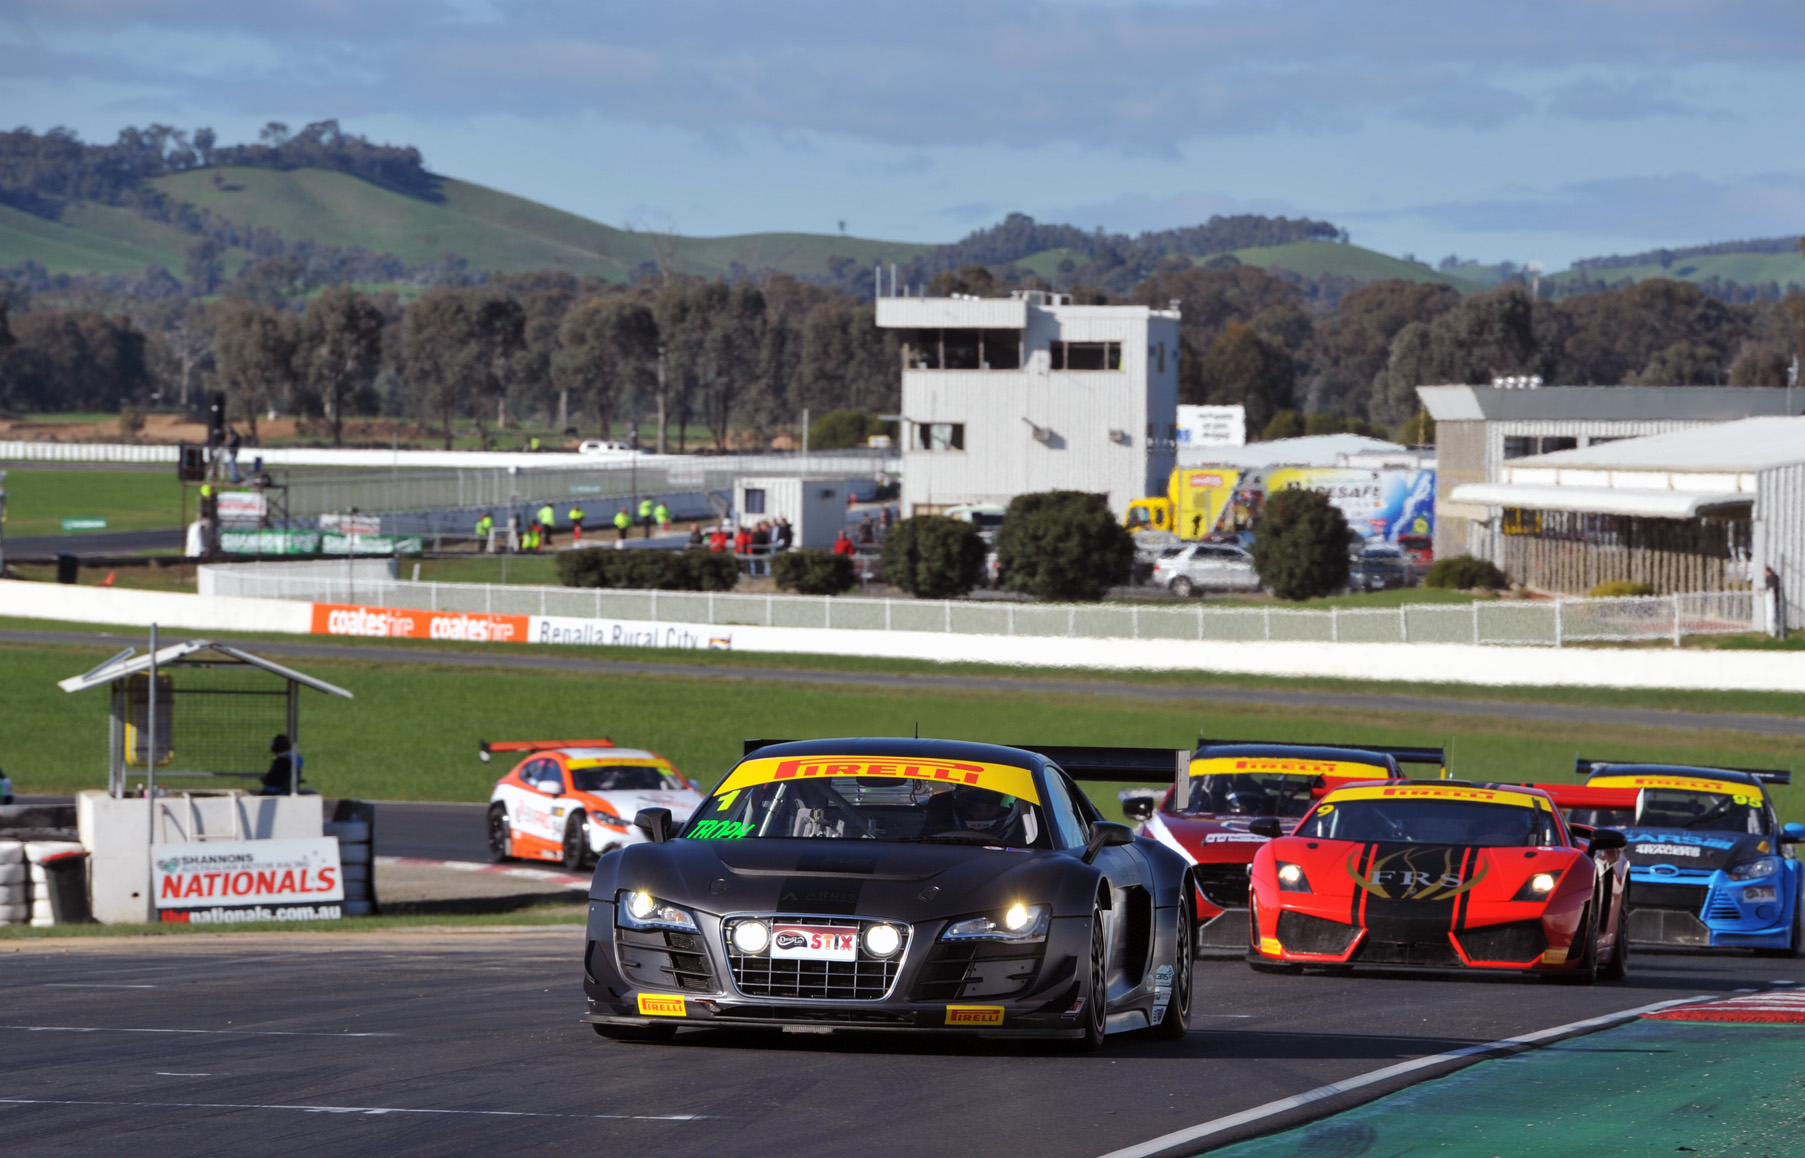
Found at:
[1106, 834]
[656, 823]
[1138, 807]
[1267, 827]
[1605, 839]
[1792, 834]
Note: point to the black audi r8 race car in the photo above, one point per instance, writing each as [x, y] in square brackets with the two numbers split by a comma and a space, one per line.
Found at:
[891, 884]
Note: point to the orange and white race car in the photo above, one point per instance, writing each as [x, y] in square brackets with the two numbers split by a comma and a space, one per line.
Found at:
[573, 800]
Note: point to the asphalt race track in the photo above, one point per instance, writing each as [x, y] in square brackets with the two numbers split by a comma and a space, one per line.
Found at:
[433, 1043]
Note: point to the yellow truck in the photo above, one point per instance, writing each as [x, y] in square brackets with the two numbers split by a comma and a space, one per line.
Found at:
[1191, 507]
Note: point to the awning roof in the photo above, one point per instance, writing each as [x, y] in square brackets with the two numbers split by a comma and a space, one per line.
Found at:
[1601, 500]
[177, 654]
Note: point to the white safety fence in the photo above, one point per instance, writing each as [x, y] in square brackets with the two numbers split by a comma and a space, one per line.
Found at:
[1550, 623]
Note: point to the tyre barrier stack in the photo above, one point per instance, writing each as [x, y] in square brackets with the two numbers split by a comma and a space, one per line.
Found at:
[353, 824]
[43, 866]
[15, 884]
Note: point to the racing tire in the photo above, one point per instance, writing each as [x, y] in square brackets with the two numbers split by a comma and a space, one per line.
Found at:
[1586, 972]
[1096, 988]
[1177, 1021]
[500, 842]
[576, 843]
[1182, 588]
[645, 1034]
[1619, 966]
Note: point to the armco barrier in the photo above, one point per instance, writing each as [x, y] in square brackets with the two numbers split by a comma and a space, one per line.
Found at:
[1452, 663]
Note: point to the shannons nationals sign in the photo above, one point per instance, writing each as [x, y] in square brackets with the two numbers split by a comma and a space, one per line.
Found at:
[272, 879]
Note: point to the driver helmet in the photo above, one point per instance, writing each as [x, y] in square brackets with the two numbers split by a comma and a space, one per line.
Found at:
[983, 810]
[1247, 797]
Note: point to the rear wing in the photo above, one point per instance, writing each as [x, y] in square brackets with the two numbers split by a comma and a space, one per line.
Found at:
[485, 747]
[1584, 767]
[1570, 796]
[1435, 756]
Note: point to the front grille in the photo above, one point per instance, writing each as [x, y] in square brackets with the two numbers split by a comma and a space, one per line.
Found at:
[1679, 898]
[1517, 941]
[866, 979]
[1222, 885]
[1302, 933]
[1666, 927]
[962, 969]
[1407, 941]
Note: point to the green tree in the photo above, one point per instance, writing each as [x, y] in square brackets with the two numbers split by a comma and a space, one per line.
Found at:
[844, 429]
[1242, 368]
[77, 359]
[733, 358]
[339, 350]
[813, 572]
[1300, 546]
[1063, 545]
[933, 557]
[1488, 335]
[1348, 349]
[607, 348]
[254, 350]
[1284, 424]
[457, 344]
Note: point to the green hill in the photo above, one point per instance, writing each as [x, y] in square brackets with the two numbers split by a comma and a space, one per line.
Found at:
[1316, 258]
[90, 238]
[1742, 268]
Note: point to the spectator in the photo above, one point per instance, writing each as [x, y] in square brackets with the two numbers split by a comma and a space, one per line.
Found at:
[623, 522]
[717, 539]
[742, 541]
[843, 545]
[661, 515]
[786, 535]
[867, 533]
[889, 519]
[695, 535]
[284, 775]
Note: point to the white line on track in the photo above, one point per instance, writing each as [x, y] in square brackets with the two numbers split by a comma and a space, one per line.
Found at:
[348, 1109]
[243, 1032]
[1509, 1045]
[91, 985]
[167, 1074]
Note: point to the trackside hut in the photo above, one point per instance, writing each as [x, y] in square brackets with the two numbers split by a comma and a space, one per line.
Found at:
[1706, 509]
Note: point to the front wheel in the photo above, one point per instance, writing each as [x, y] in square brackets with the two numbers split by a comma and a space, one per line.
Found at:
[1183, 588]
[576, 842]
[500, 841]
[1619, 966]
[1586, 972]
[1096, 995]
[1177, 1021]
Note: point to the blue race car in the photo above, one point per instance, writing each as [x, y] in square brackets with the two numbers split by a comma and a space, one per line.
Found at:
[1710, 864]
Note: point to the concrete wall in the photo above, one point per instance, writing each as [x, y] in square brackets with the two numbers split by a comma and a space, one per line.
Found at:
[129, 608]
[118, 833]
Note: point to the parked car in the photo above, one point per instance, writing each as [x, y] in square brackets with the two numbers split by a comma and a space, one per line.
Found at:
[987, 518]
[1381, 568]
[1184, 571]
[603, 446]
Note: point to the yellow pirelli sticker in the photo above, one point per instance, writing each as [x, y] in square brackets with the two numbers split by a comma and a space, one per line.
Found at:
[1749, 793]
[1554, 957]
[1270, 947]
[970, 1015]
[662, 1005]
[624, 762]
[1286, 766]
[1004, 778]
[1430, 790]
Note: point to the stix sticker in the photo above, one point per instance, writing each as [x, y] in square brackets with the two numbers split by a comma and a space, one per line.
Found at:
[974, 1015]
[1286, 766]
[814, 942]
[662, 1005]
[1004, 778]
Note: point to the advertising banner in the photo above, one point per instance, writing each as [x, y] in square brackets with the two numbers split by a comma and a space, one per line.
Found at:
[1380, 504]
[314, 543]
[242, 507]
[1212, 426]
[622, 633]
[219, 881]
[407, 623]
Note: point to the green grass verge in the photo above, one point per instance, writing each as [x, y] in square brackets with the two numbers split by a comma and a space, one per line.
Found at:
[411, 731]
[547, 914]
[37, 501]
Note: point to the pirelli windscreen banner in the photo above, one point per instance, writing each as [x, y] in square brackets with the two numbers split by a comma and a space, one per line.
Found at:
[219, 882]
[479, 627]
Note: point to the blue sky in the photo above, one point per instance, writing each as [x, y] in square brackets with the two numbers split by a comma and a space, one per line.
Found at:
[1495, 130]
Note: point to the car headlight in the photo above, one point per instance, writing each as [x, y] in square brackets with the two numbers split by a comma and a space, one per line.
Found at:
[882, 940]
[751, 937]
[1016, 923]
[641, 910]
[1538, 887]
[1749, 870]
[1292, 878]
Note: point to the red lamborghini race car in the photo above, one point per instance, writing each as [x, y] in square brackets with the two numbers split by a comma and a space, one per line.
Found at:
[1440, 874]
[1224, 787]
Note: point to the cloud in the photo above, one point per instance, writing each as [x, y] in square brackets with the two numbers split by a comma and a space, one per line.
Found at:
[1676, 206]
[1131, 77]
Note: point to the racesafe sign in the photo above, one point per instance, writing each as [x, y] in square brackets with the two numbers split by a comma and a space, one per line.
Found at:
[248, 880]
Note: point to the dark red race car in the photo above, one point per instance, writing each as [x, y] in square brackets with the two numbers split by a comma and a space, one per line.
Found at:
[1440, 874]
[1224, 787]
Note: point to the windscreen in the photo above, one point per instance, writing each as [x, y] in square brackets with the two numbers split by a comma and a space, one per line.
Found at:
[626, 778]
[1726, 811]
[1429, 820]
[871, 808]
[1252, 794]
[891, 798]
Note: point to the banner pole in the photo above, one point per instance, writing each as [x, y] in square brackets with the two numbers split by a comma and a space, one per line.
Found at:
[150, 778]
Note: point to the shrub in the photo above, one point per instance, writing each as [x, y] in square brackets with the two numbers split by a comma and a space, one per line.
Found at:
[1620, 587]
[1465, 573]
[1284, 424]
[656, 570]
[813, 572]
[933, 557]
[1300, 546]
[1063, 545]
[843, 429]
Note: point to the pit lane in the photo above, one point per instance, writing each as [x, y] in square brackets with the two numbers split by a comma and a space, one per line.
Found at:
[437, 1042]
